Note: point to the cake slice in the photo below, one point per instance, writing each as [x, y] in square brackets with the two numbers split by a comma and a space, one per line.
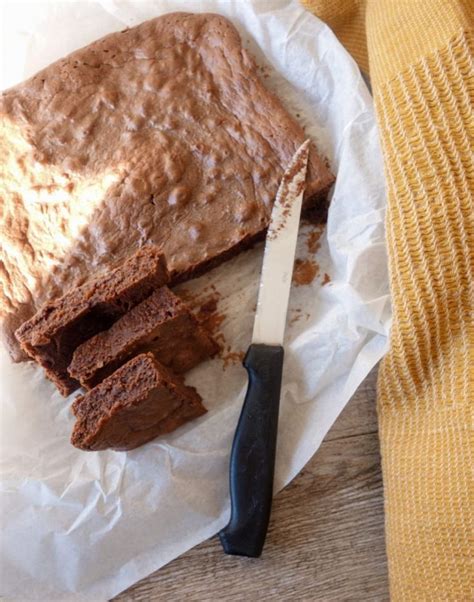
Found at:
[135, 404]
[161, 324]
[165, 133]
[51, 336]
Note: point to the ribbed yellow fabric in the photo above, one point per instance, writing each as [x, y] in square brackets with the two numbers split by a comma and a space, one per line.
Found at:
[347, 19]
[420, 56]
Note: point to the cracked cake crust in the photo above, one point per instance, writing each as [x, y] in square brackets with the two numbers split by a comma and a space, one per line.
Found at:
[161, 133]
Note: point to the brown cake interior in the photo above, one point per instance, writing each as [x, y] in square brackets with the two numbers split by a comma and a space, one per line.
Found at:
[51, 336]
[139, 401]
[110, 294]
[162, 324]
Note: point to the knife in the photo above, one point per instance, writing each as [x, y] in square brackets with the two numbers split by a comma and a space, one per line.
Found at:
[252, 459]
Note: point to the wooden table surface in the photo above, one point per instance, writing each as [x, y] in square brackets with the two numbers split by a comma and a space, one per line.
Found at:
[326, 537]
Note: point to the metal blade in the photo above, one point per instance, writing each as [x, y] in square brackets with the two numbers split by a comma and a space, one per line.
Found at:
[280, 246]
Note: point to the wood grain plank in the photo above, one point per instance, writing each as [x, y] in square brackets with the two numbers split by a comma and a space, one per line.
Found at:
[326, 538]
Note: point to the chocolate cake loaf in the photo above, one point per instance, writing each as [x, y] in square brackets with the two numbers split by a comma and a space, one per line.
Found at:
[161, 324]
[164, 133]
[135, 404]
[51, 336]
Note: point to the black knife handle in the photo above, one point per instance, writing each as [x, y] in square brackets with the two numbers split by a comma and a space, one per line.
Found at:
[252, 460]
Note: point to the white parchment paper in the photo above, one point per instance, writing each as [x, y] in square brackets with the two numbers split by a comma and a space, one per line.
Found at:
[87, 525]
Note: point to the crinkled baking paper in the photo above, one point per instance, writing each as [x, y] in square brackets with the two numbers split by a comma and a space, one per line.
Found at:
[82, 525]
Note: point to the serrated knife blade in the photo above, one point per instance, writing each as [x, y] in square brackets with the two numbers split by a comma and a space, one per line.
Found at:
[279, 254]
[252, 460]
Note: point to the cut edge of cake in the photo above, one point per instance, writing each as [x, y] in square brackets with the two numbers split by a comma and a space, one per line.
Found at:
[161, 324]
[59, 327]
[121, 395]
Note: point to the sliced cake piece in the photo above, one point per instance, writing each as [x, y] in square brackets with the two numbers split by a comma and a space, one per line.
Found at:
[51, 336]
[135, 404]
[161, 324]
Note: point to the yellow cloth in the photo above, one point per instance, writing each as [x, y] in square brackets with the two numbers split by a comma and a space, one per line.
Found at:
[420, 58]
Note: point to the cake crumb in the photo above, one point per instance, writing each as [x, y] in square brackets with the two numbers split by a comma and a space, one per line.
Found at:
[298, 315]
[304, 271]
[312, 242]
[184, 294]
[209, 317]
[326, 279]
[231, 358]
[204, 304]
